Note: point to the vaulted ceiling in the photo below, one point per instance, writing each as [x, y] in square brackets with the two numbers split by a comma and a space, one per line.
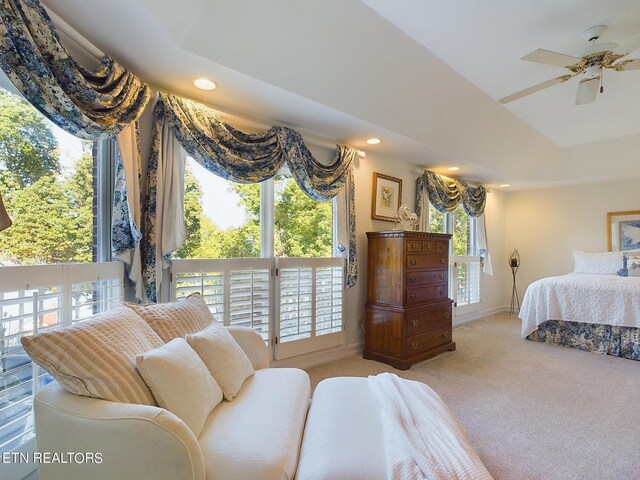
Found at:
[423, 76]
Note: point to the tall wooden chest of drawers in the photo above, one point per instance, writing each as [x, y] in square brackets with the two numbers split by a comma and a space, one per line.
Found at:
[408, 310]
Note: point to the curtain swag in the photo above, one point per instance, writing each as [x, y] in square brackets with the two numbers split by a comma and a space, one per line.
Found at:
[125, 233]
[240, 157]
[102, 103]
[253, 157]
[88, 104]
[445, 194]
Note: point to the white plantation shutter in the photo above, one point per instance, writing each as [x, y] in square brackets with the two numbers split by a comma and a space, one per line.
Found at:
[237, 291]
[306, 316]
[329, 284]
[465, 282]
[249, 299]
[209, 284]
[35, 299]
[309, 316]
[296, 312]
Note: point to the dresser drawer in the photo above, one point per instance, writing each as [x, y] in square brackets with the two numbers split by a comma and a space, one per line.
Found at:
[428, 340]
[426, 277]
[413, 245]
[429, 247]
[442, 247]
[425, 261]
[423, 321]
[434, 293]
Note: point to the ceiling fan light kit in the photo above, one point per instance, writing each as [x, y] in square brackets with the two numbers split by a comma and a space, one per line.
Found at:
[589, 62]
[593, 33]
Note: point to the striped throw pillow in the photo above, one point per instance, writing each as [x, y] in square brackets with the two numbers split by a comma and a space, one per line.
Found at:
[176, 319]
[97, 358]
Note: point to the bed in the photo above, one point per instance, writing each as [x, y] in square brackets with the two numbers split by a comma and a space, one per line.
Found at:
[599, 313]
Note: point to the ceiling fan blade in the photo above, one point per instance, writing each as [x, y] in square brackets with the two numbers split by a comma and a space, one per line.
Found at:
[551, 58]
[628, 47]
[535, 88]
[633, 64]
[587, 91]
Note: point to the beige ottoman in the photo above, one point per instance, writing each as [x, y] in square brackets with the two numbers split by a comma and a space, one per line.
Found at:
[343, 435]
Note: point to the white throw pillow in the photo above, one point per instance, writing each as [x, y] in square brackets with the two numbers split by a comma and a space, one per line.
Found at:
[224, 358]
[180, 382]
[605, 263]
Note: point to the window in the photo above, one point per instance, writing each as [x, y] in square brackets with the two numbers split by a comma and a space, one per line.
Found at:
[292, 294]
[464, 277]
[47, 182]
[222, 217]
[303, 227]
[57, 189]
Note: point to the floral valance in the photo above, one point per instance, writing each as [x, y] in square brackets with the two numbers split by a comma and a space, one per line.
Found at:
[252, 157]
[445, 194]
[88, 104]
[239, 157]
[107, 102]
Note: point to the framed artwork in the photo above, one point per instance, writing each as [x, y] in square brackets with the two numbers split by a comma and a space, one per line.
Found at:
[623, 230]
[386, 197]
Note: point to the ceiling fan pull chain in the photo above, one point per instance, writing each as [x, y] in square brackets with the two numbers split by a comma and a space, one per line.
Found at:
[601, 81]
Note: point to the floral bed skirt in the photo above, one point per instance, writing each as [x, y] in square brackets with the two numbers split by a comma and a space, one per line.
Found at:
[592, 337]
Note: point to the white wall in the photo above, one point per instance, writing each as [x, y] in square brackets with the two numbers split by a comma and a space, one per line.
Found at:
[492, 287]
[545, 225]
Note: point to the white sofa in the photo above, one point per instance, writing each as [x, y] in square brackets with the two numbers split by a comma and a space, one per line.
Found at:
[256, 436]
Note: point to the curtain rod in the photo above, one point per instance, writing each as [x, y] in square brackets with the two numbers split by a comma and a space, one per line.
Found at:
[94, 51]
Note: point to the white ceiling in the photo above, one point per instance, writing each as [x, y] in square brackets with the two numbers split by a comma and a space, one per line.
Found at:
[491, 37]
[423, 76]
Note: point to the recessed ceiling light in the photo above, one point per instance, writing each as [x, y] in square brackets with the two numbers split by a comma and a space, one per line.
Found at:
[374, 141]
[505, 185]
[453, 169]
[204, 84]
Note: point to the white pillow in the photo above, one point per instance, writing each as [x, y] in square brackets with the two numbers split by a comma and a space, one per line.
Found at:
[224, 358]
[605, 263]
[180, 382]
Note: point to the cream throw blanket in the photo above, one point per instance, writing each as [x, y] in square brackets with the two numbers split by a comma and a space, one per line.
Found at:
[423, 440]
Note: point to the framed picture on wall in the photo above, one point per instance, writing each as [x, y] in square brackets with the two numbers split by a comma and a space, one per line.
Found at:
[386, 197]
[623, 230]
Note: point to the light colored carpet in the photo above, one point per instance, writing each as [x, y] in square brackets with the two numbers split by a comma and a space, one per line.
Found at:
[532, 410]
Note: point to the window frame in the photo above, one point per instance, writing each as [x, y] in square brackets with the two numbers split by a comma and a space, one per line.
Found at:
[104, 157]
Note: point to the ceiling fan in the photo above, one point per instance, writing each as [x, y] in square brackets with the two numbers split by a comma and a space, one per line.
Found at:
[589, 63]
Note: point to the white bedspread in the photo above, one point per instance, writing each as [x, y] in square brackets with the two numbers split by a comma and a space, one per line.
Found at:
[422, 438]
[580, 297]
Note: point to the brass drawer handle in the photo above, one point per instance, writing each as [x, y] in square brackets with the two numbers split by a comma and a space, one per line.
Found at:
[445, 334]
[412, 262]
[412, 279]
[413, 245]
[413, 296]
[441, 292]
[443, 260]
[414, 345]
[446, 316]
[441, 276]
[414, 323]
